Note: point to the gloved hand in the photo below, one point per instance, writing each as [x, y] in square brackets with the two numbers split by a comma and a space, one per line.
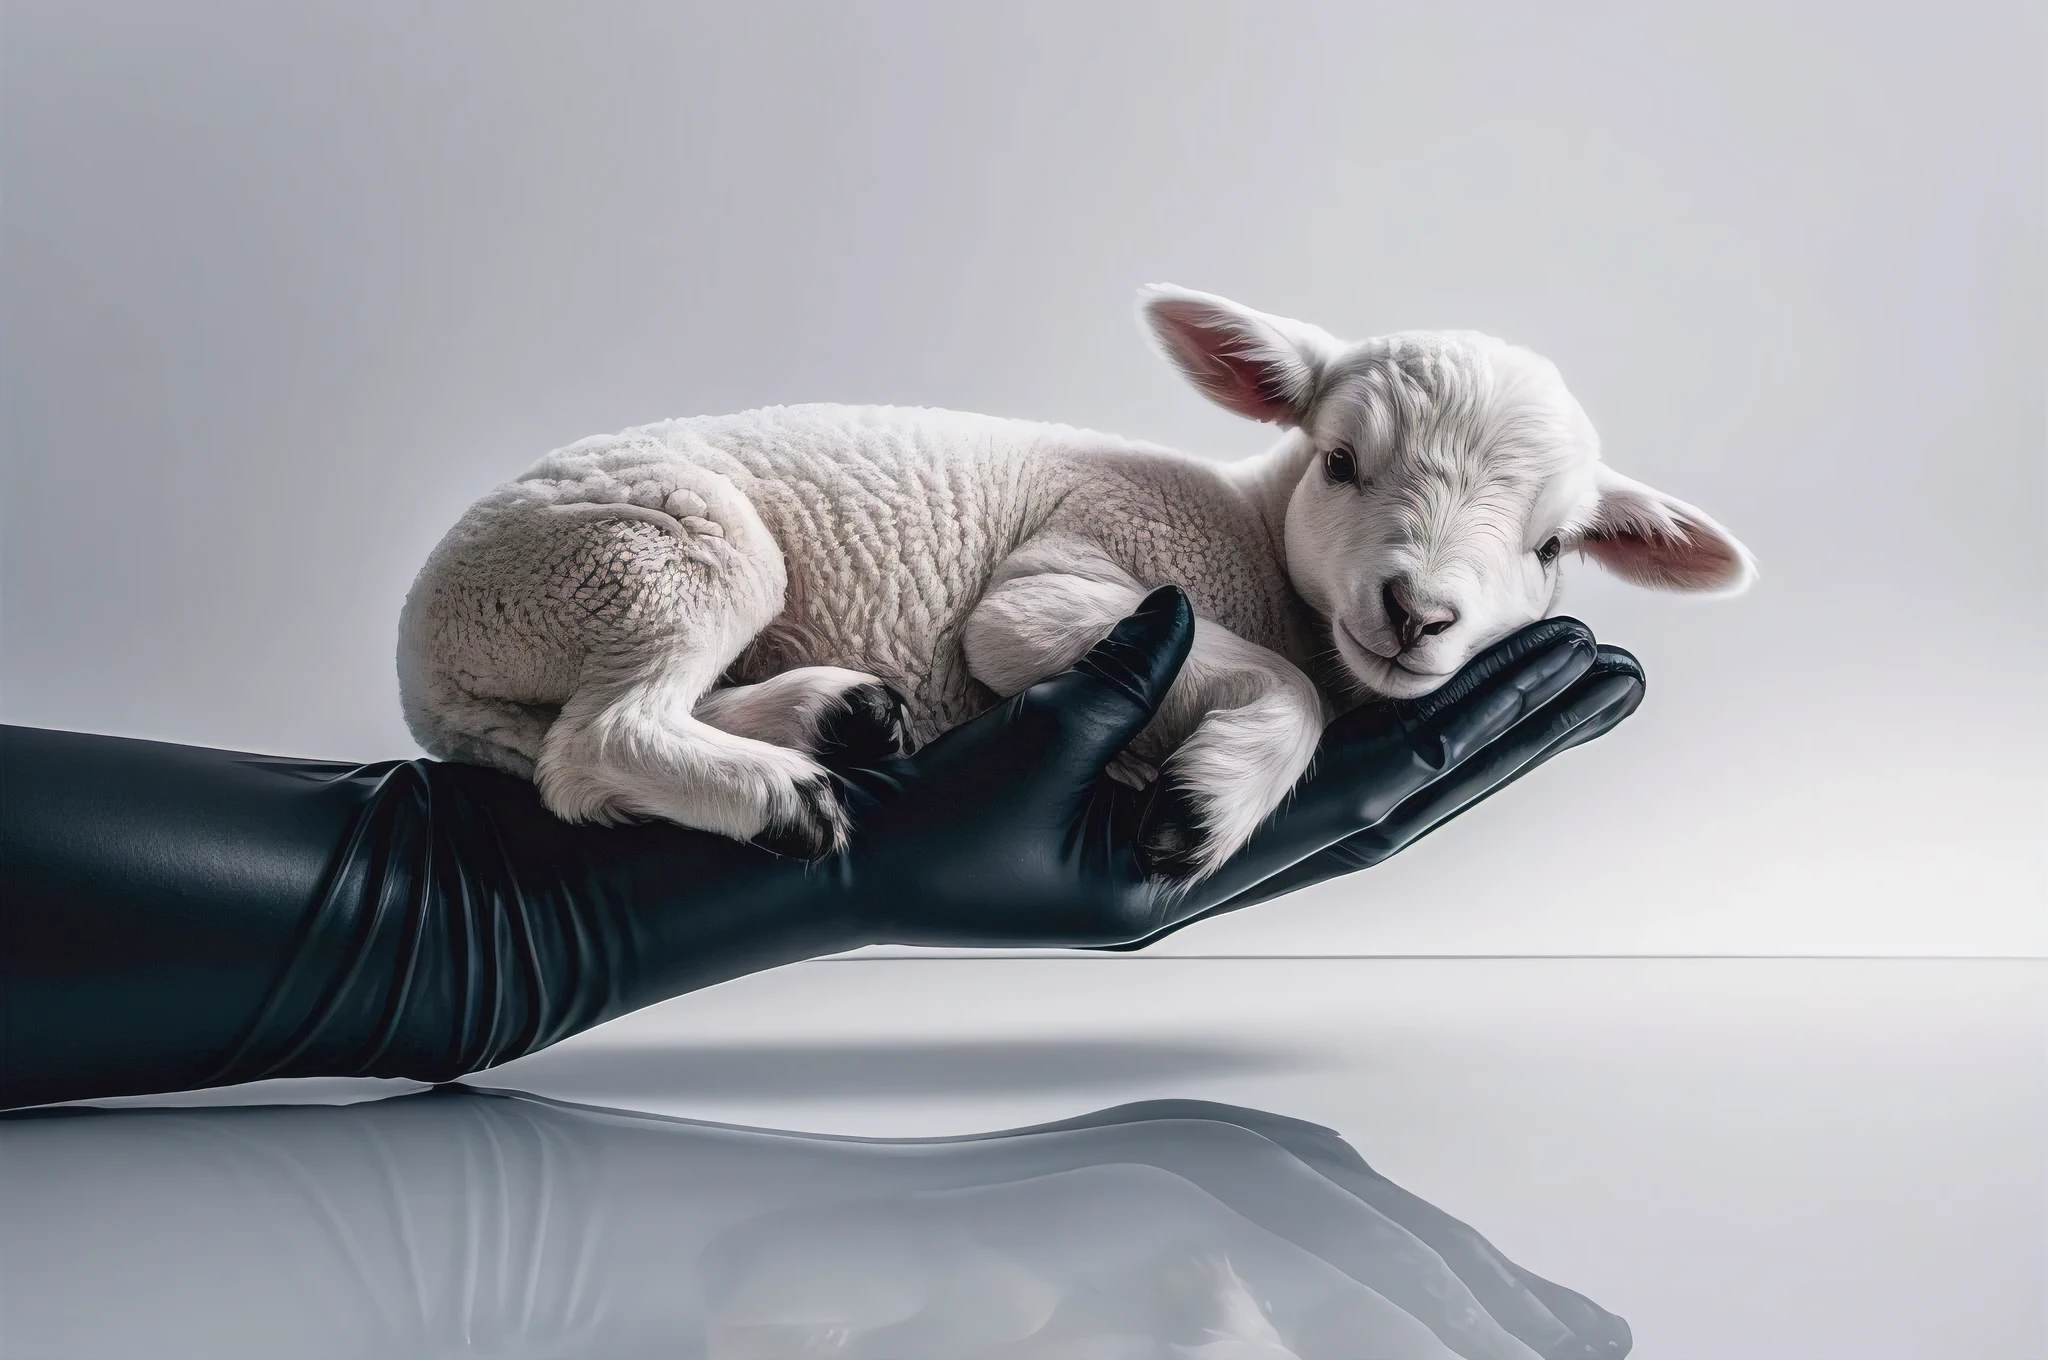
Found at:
[1609, 690]
[179, 917]
[1006, 832]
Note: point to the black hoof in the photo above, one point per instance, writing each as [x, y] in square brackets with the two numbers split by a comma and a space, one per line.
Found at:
[1170, 836]
[869, 724]
[819, 828]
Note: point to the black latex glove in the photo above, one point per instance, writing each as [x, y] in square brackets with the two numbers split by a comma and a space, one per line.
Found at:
[1006, 831]
[1399, 771]
[178, 917]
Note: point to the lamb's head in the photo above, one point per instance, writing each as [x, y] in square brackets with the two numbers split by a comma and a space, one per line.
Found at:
[1438, 479]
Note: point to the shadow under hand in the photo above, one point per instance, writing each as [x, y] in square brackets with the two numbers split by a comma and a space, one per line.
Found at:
[868, 1071]
[506, 1224]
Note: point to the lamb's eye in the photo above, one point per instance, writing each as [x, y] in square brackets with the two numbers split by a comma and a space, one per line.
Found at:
[1549, 551]
[1339, 466]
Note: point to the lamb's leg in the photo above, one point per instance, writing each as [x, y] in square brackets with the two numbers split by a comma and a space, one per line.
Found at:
[836, 714]
[627, 746]
[1241, 722]
[664, 602]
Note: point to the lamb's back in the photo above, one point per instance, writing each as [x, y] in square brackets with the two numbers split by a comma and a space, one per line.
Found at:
[891, 521]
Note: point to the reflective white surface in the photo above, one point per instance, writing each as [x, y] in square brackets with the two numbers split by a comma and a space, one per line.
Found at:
[461, 1222]
[1759, 1159]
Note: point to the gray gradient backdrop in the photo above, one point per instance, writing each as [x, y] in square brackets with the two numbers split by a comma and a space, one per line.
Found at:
[286, 286]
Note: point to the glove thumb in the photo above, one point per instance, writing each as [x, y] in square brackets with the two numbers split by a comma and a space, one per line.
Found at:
[1112, 692]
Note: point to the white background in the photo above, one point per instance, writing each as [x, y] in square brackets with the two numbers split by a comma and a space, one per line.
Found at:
[285, 287]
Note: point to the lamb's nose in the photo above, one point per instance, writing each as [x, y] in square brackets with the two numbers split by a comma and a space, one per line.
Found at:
[1413, 620]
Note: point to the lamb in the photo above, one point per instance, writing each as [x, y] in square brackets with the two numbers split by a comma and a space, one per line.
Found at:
[678, 620]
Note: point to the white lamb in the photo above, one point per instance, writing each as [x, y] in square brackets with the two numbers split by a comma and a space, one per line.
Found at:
[674, 621]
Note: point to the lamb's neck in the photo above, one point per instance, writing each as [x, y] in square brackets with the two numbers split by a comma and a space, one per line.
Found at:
[1267, 481]
[1265, 484]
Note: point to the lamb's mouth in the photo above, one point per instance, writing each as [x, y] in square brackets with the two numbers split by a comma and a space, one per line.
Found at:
[1384, 674]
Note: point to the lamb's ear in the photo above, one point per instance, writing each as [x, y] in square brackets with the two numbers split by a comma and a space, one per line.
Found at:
[1644, 536]
[1265, 367]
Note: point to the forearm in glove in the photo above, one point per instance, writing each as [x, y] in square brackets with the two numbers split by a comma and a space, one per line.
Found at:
[178, 917]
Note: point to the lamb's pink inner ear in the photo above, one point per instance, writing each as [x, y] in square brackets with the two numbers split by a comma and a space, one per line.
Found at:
[1235, 356]
[1647, 537]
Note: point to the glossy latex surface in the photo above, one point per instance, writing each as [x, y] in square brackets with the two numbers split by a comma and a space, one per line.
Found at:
[182, 917]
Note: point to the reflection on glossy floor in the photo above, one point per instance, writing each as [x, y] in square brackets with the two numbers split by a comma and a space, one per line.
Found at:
[458, 1221]
[1799, 1159]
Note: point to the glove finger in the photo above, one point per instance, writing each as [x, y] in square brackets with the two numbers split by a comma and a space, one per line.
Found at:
[1602, 698]
[1612, 661]
[1619, 661]
[1371, 763]
[1389, 753]
[1591, 709]
[1512, 679]
[1111, 693]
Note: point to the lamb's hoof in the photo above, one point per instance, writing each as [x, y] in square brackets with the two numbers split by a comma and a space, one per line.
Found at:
[1171, 838]
[819, 828]
[869, 724]
[1126, 768]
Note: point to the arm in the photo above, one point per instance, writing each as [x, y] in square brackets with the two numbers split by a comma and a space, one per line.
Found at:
[178, 918]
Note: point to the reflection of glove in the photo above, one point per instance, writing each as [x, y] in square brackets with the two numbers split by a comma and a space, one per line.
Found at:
[492, 1223]
[183, 917]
